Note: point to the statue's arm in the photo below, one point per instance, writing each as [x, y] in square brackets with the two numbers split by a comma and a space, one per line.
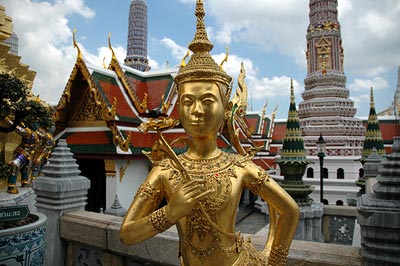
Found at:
[142, 221]
[288, 211]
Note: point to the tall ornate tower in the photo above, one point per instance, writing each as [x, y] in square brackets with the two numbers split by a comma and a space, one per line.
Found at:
[137, 36]
[326, 108]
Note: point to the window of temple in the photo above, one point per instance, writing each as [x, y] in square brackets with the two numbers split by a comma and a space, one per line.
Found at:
[325, 172]
[339, 203]
[340, 173]
[310, 172]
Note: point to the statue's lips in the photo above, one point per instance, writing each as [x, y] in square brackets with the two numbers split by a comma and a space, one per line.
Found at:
[196, 123]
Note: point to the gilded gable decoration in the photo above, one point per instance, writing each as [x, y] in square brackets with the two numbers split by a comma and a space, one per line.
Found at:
[110, 113]
[94, 106]
[141, 106]
[118, 138]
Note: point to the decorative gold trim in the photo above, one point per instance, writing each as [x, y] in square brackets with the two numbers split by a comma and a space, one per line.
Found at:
[237, 109]
[278, 256]
[225, 58]
[324, 52]
[109, 166]
[93, 90]
[183, 62]
[122, 170]
[97, 123]
[118, 139]
[143, 103]
[11, 65]
[5, 25]
[110, 113]
[76, 44]
[141, 106]
[165, 105]
[158, 220]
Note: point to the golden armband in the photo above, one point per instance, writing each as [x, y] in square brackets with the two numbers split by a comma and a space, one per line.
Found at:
[148, 192]
[158, 220]
[261, 179]
[278, 256]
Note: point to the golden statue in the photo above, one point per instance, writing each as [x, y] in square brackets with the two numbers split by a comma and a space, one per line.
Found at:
[203, 186]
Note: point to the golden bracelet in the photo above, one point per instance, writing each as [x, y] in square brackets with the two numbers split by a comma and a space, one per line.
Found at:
[159, 221]
[278, 256]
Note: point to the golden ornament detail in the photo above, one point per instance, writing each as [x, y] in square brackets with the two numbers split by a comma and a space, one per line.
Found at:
[278, 256]
[201, 66]
[158, 220]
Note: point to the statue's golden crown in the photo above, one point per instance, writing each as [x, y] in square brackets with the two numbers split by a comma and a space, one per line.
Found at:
[201, 66]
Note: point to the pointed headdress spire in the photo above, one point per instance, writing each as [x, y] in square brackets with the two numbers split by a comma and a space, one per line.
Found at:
[201, 66]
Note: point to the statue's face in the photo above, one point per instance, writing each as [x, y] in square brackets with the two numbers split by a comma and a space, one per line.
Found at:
[201, 109]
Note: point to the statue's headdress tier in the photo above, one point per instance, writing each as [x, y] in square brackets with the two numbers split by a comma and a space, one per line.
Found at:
[201, 66]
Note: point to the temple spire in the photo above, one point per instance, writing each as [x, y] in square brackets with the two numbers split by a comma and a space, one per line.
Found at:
[373, 136]
[136, 56]
[293, 161]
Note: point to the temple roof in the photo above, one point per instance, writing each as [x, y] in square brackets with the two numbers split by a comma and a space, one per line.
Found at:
[101, 109]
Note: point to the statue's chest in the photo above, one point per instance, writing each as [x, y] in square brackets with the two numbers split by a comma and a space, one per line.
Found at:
[218, 173]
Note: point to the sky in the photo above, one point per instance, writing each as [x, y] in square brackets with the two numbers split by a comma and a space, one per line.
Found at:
[268, 36]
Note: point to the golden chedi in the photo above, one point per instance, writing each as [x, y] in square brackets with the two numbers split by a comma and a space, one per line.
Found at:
[203, 186]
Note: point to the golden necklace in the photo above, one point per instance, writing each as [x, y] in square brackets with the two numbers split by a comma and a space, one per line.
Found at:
[217, 171]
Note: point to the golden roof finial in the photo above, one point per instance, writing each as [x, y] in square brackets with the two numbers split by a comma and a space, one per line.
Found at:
[265, 106]
[76, 44]
[226, 57]
[372, 102]
[104, 62]
[183, 63]
[113, 57]
[291, 91]
[201, 66]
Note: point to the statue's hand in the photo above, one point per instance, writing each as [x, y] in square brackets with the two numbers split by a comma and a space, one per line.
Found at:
[183, 201]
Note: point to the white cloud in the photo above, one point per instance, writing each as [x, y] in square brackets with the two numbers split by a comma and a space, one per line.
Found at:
[369, 30]
[188, 1]
[361, 100]
[45, 41]
[258, 88]
[377, 83]
[177, 51]
[370, 36]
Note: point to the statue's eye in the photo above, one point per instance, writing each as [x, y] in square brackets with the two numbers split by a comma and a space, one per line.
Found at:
[187, 101]
[208, 101]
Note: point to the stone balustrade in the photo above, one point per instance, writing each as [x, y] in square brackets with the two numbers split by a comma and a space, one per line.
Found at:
[93, 238]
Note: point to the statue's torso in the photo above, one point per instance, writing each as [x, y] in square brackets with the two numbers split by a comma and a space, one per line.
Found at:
[201, 242]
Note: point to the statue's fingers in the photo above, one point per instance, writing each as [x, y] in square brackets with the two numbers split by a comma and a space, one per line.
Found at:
[194, 182]
[204, 194]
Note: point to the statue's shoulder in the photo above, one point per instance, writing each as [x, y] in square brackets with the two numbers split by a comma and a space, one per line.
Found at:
[239, 160]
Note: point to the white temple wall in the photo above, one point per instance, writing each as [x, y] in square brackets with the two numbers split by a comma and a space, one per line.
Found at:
[349, 165]
[111, 189]
[127, 181]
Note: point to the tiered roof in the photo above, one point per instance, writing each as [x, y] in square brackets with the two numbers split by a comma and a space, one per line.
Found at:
[373, 135]
[101, 109]
[293, 150]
